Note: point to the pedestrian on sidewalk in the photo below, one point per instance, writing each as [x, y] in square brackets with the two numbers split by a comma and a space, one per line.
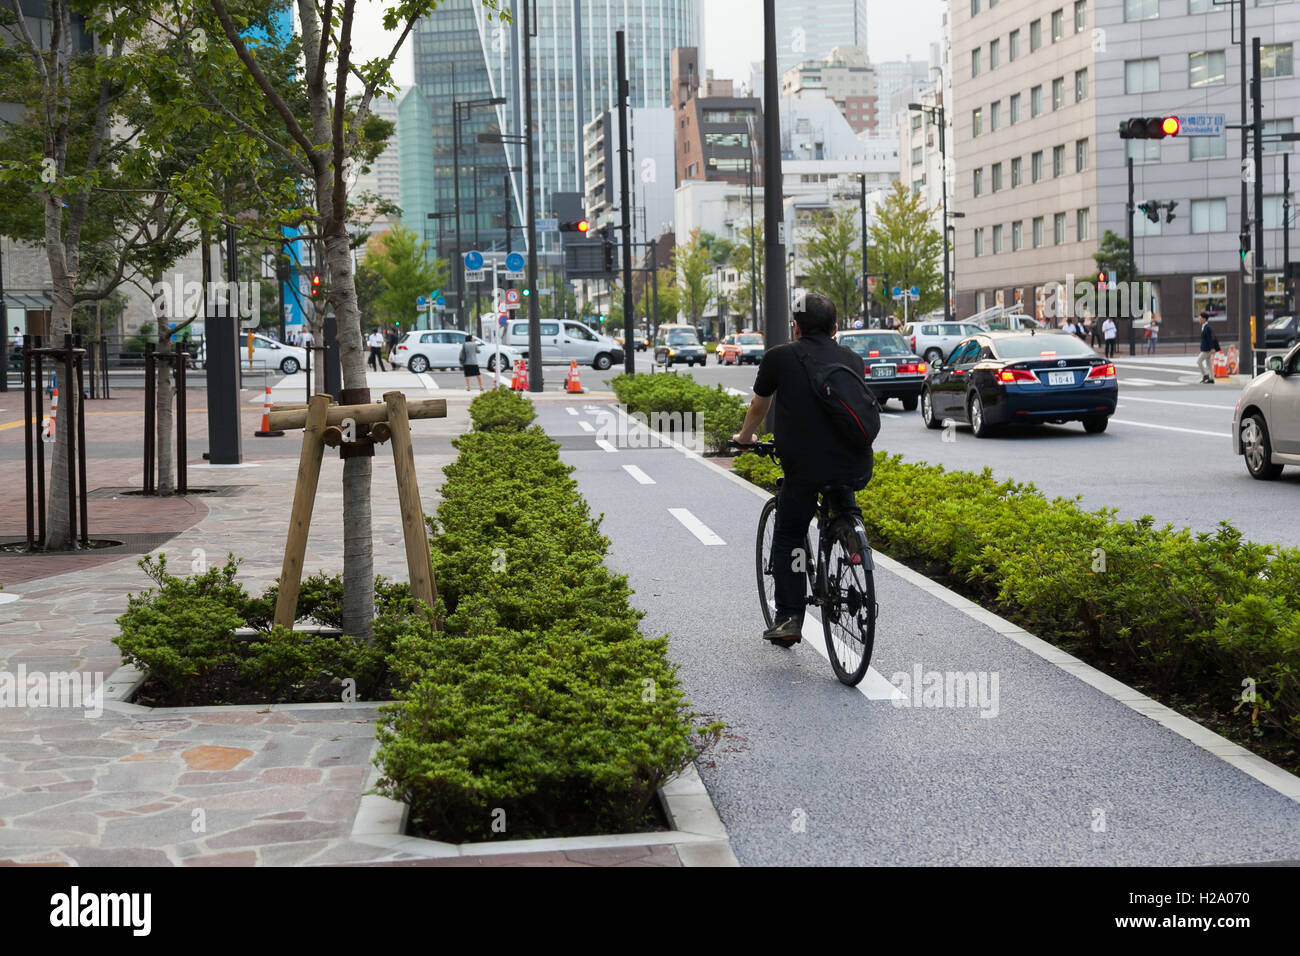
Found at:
[1209, 345]
[393, 341]
[812, 452]
[1109, 332]
[376, 342]
[469, 362]
[1153, 336]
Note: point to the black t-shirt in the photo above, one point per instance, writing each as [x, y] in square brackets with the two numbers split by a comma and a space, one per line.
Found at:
[810, 448]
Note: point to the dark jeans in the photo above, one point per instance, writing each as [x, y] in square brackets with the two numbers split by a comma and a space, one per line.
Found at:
[796, 504]
[1110, 348]
[375, 356]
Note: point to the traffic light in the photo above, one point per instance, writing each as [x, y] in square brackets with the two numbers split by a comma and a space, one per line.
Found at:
[608, 247]
[1169, 210]
[315, 283]
[525, 292]
[1149, 127]
[575, 225]
[1247, 259]
[1152, 210]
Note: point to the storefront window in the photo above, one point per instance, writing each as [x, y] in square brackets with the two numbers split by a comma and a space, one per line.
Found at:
[1210, 294]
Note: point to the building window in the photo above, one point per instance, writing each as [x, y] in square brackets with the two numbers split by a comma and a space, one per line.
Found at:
[1272, 127]
[1017, 236]
[1058, 25]
[974, 7]
[1016, 176]
[1080, 155]
[1141, 9]
[691, 170]
[1272, 212]
[1013, 110]
[727, 139]
[1035, 35]
[997, 239]
[1080, 15]
[1035, 101]
[1142, 76]
[1200, 6]
[975, 55]
[1080, 85]
[1143, 150]
[1058, 161]
[1058, 229]
[1275, 60]
[1038, 231]
[995, 53]
[1082, 223]
[1036, 166]
[995, 116]
[979, 242]
[977, 181]
[1142, 226]
[1210, 294]
[916, 121]
[1209, 215]
[916, 155]
[1206, 68]
[976, 121]
[997, 176]
[1208, 147]
[1058, 93]
[1013, 45]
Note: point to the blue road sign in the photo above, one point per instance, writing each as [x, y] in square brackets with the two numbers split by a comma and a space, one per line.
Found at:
[501, 320]
[898, 290]
[474, 261]
[422, 302]
[515, 262]
[440, 301]
[1201, 124]
[916, 291]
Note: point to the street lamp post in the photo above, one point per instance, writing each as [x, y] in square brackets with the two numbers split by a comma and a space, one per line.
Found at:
[932, 111]
[951, 229]
[866, 294]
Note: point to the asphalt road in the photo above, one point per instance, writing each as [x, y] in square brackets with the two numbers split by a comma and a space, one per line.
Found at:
[813, 772]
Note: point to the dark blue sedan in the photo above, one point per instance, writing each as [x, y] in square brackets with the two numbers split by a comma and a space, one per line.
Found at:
[1002, 378]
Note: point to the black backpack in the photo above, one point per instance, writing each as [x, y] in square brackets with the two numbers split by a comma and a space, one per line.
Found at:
[848, 403]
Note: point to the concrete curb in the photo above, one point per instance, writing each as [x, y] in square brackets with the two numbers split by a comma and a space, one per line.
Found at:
[1267, 773]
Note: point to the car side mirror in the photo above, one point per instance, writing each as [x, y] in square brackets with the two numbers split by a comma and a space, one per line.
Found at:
[1275, 364]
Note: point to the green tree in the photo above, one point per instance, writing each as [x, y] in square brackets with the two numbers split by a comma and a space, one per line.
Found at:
[747, 260]
[907, 249]
[1112, 256]
[834, 261]
[693, 266]
[399, 261]
[667, 302]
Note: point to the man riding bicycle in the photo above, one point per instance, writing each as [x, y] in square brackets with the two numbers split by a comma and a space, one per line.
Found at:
[812, 454]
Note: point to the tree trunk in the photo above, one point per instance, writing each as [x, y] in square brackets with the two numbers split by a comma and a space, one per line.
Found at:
[58, 536]
[358, 543]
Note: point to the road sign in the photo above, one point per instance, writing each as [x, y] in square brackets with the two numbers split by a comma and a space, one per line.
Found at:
[421, 302]
[501, 319]
[473, 261]
[546, 225]
[512, 298]
[475, 276]
[1201, 124]
[440, 302]
[916, 292]
[515, 262]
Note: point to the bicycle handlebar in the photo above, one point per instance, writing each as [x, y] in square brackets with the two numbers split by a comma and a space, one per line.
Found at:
[766, 449]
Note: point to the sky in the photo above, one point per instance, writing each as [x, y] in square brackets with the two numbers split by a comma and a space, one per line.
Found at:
[733, 34]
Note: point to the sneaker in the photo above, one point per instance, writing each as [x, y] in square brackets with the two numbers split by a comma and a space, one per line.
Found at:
[786, 633]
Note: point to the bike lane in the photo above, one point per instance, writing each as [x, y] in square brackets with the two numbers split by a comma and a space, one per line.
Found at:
[1043, 769]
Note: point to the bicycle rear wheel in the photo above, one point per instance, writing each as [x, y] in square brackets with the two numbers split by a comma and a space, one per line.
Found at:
[849, 609]
[763, 561]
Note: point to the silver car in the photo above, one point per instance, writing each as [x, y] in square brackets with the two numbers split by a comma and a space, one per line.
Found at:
[934, 341]
[1266, 424]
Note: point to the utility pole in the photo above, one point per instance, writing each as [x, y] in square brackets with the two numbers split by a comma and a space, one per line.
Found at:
[535, 381]
[1286, 237]
[625, 205]
[4, 332]
[1243, 307]
[1257, 122]
[1131, 277]
[459, 265]
[866, 295]
[654, 289]
[777, 306]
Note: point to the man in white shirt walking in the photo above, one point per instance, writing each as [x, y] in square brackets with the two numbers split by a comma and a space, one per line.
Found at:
[376, 343]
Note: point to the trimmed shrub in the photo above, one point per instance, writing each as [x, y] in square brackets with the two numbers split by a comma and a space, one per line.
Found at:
[501, 408]
[718, 413]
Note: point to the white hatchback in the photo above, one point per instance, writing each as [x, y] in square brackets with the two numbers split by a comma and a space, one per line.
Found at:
[267, 354]
[421, 351]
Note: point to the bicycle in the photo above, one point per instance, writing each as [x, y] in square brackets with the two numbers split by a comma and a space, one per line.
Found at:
[841, 581]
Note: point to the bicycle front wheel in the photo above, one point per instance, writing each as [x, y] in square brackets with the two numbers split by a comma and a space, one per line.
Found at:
[763, 561]
[849, 610]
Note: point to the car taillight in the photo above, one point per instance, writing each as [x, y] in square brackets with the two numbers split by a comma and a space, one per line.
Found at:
[912, 368]
[873, 354]
[1102, 371]
[1008, 375]
[401, 348]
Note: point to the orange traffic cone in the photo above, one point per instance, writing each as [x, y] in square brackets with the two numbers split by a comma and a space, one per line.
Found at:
[266, 419]
[1220, 365]
[54, 417]
[520, 383]
[573, 383]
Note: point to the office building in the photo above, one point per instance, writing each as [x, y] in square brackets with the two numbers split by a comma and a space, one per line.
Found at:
[809, 31]
[718, 134]
[846, 77]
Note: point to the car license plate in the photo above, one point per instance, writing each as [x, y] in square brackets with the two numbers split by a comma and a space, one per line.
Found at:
[1060, 378]
[882, 371]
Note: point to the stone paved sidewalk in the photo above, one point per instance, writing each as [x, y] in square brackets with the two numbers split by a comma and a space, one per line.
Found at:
[208, 786]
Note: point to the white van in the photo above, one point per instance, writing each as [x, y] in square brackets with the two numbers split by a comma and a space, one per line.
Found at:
[563, 341]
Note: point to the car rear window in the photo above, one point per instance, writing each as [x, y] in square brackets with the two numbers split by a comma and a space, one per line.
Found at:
[751, 340]
[884, 343]
[683, 338]
[1050, 345]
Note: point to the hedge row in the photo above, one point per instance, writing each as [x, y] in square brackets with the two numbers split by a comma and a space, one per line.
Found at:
[720, 414]
[542, 710]
[1207, 615]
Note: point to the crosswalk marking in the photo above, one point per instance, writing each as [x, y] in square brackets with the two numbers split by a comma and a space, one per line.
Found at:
[587, 426]
[571, 410]
[696, 527]
[605, 445]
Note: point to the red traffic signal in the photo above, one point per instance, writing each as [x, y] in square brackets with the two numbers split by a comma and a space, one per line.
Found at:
[1170, 126]
[575, 225]
[315, 283]
[1149, 127]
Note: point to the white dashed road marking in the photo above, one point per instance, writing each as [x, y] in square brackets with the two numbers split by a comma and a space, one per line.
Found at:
[571, 410]
[1171, 428]
[428, 381]
[695, 526]
[639, 475]
[605, 445]
[587, 426]
[1166, 401]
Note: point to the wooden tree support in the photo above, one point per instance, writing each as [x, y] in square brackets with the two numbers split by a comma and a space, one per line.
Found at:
[326, 424]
